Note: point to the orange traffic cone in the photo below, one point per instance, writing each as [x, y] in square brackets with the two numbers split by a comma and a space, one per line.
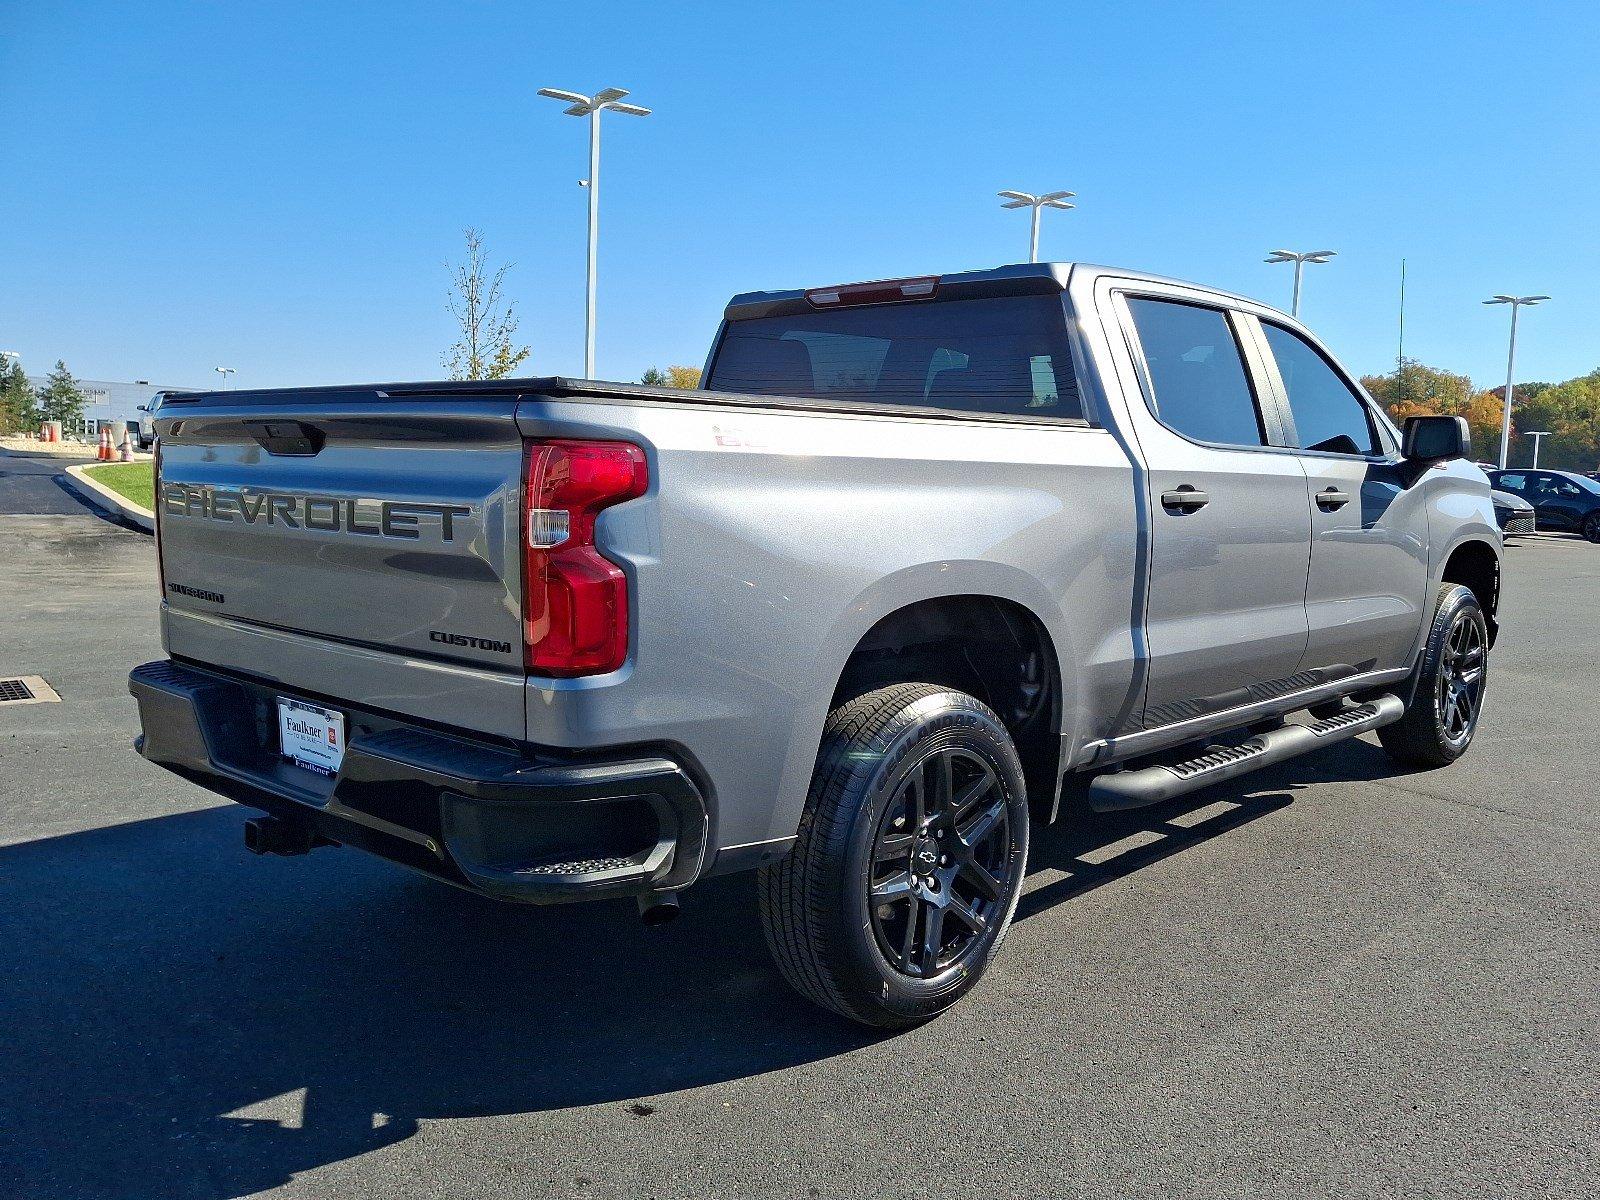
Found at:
[105, 444]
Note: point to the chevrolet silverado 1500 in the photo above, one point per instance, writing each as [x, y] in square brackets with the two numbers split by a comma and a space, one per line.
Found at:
[925, 560]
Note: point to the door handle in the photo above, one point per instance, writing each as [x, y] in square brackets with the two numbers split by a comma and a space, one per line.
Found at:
[1186, 498]
[1332, 498]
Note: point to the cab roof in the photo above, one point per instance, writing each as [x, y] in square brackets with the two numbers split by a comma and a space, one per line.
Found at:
[1016, 279]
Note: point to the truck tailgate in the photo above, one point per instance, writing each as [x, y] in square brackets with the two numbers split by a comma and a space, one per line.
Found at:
[383, 524]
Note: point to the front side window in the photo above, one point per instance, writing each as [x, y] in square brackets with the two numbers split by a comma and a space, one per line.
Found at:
[1545, 487]
[1574, 485]
[1196, 372]
[1328, 416]
[1003, 354]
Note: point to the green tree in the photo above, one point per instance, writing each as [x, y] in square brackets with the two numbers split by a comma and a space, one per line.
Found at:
[487, 347]
[654, 377]
[1570, 411]
[61, 399]
[19, 406]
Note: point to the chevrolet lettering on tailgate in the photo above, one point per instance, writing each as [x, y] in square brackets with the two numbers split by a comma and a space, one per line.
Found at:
[329, 514]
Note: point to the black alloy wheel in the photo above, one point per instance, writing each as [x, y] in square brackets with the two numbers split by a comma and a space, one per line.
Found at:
[941, 867]
[1459, 690]
[1442, 715]
[909, 859]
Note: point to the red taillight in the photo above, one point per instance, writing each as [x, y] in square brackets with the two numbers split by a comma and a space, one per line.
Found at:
[575, 600]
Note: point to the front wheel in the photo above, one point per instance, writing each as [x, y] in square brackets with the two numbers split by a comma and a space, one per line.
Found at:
[1443, 716]
[1591, 527]
[909, 859]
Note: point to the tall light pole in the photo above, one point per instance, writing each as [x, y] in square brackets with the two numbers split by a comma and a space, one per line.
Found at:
[1029, 200]
[225, 372]
[1538, 436]
[592, 107]
[1299, 261]
[1516, 302]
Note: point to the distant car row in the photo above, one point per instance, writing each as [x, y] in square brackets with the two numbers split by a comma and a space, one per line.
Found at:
[1554, 501]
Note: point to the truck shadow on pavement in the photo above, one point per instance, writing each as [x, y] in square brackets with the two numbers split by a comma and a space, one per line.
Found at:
[184, 1020]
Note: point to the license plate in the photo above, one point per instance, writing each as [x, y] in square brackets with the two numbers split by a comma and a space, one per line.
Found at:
[309, 736]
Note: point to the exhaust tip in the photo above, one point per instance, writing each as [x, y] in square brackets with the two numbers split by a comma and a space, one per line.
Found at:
[657, 909]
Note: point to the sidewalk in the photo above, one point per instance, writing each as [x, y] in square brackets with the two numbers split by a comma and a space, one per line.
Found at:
[16, 444]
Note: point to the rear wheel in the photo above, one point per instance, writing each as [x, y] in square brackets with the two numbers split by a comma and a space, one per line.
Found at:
[1591, 527]
[909, 860]
[1443, 716]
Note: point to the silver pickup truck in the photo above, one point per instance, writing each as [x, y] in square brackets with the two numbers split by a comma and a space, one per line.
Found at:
[929, 558]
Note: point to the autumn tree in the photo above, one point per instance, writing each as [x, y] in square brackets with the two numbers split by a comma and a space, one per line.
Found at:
[672, 377]
[1568, 411]
[1416, 390]
[488, 321]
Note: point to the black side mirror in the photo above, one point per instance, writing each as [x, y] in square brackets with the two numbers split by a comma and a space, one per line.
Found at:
[1436, 439]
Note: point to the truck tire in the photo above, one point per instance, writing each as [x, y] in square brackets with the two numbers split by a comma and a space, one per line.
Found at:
[909, 860]
[1443, 715]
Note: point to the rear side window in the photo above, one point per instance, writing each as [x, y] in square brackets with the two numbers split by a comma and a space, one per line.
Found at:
[1328, 415]
[1006, 354]
[1196, 372]
[1511, 483]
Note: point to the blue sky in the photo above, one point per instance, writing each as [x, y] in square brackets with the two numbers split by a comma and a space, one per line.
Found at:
[277, 188]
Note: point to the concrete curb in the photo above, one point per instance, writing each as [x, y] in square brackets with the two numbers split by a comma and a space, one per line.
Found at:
[79, 480]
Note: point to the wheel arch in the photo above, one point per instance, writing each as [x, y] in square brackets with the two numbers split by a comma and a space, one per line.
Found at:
[1475, 564]
[992, 647]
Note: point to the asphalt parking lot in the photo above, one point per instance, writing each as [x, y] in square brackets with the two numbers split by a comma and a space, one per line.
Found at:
[1329, 979]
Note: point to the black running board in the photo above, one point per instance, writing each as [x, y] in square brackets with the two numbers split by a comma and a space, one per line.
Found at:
[1120, 790]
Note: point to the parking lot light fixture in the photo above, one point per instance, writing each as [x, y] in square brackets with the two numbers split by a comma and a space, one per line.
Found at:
[1538, 435]
[580, 105]
[225, 372]
[1036, 203]
[1299, 261]
[1516, 302]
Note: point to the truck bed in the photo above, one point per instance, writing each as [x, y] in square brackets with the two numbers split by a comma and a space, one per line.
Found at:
[775, 531]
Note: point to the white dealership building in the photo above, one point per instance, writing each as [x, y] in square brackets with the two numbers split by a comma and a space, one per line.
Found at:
[112, 403]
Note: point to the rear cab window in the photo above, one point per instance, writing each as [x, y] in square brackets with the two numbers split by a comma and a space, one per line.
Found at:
[1006, 355]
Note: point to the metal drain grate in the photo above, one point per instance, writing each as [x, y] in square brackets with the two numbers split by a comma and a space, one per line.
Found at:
[27, 689]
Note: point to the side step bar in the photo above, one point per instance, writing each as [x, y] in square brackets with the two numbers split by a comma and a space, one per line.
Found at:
[1120, 790]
